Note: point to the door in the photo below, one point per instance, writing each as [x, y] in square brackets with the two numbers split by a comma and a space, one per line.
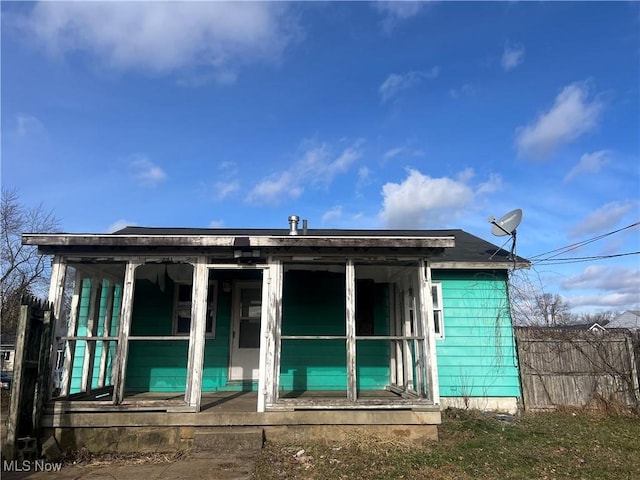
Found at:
[245, 334]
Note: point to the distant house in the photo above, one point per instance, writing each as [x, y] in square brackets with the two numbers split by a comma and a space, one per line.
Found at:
[386, 321]
[7, 352]
[629, 320]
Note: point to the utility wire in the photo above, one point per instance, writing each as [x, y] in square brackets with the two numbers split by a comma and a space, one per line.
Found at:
[573, 246]
[562, 261]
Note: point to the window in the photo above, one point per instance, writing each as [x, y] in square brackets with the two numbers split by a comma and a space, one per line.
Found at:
[438, 318]
[6, 356]
[182, 309]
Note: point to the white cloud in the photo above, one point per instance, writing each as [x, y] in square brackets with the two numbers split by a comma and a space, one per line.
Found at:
[318, 167]
[28, 125]
[604, 218]
[466, 90]
[222, 190]
[573, 114]
[601, 277]
[216, 224]
[395, 82]
[589, 163]
[401, 151]
[275, 189]
[164, 36]
[119, 225]
[146, 172]
[421, 201]
[512, 56]
[332, 214]
[396, 11]
[610, 301]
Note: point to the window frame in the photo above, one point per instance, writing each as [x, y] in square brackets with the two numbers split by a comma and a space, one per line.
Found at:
[438, 313]
[212, 307]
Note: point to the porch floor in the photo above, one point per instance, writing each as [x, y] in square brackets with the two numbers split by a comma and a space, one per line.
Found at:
[239, 409]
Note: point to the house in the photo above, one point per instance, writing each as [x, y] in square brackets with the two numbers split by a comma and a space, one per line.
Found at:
[313, 326]
[7, 352]
[629, 320]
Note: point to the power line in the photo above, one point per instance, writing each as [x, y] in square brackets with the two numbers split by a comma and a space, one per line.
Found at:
[562, 261]
[573, 246]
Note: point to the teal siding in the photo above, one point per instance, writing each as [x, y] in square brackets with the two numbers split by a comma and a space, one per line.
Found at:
[161, 366]
[477, 357]
[82, 321]
[314, 304]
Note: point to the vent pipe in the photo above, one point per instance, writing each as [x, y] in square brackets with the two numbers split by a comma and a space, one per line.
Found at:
[293, 224]
[304, 227]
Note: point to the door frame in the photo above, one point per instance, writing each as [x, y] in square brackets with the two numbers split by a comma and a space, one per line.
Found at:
[235, 328]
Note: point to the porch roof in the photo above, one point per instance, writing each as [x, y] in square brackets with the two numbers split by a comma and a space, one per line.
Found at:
[453, 248]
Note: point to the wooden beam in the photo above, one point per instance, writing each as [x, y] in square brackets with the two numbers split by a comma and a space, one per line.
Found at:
[416, 328]
[92, 324]
[407, 357]
[341, 241]
[277, 281]
[398, 313]
[72, 330]
[56, 298]
[195, 361]
[428, 324]
[350, 314]
[122, 350]
[265, 362]
[106, 329]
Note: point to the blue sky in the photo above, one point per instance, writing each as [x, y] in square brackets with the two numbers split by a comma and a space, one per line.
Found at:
[351, 115]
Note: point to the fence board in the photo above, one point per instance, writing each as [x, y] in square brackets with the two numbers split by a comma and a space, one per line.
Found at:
[577, 368]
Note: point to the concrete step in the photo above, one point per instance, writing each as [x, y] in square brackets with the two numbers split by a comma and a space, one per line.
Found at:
[228, 439]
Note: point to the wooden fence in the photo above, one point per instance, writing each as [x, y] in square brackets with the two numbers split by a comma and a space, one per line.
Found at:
[31, 378]
[574, 368]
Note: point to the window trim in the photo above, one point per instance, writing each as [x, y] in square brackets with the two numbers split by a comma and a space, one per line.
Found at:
[438, 320]
[212, 307]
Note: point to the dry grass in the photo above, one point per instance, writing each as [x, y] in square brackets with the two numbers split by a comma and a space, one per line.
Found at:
[568, 444]
[83, 457]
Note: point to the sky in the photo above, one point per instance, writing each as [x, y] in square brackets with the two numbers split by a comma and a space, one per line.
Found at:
[383, 115]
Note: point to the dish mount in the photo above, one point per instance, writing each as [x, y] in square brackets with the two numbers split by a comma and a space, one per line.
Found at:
[506, 225]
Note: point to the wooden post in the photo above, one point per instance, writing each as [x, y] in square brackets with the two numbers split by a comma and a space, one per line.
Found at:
[122, 350]
[106, 329]
[70, 345]
[418, 331]
[90, 345]
[398, 310]
[43, 390]
[17, 384]
[265, 364]
[56, 299]
[269, 371]
[393, 362]
[407, 357]
[272, 367]
[197, 333]
[350, 294]
[428, 327]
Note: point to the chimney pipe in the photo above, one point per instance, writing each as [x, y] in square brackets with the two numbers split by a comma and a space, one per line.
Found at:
[293, 224]
[304, 227]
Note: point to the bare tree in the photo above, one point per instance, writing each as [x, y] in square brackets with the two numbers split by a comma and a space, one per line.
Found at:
[531, 305]
[23, 270]
[601, 318]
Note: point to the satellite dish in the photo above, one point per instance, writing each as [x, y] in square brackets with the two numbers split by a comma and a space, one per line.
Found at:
[507, 224]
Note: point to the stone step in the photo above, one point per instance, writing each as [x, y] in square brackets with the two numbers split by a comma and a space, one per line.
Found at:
[228, 439]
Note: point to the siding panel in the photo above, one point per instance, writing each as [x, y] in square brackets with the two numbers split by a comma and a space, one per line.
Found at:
[477, 357]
